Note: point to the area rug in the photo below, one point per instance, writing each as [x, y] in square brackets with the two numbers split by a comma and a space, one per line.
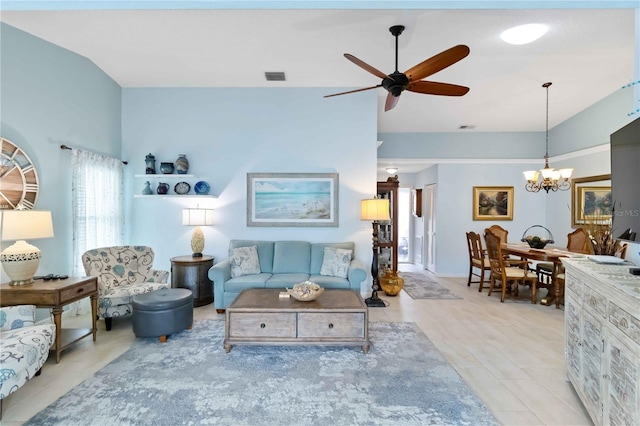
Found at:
[419, 286]
[191, 380]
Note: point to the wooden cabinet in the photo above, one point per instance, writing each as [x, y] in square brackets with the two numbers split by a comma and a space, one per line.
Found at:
[602, 339]
[193, 273]
[416, 202]
[388, 231]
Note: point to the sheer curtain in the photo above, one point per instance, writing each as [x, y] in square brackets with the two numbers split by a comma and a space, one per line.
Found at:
[98, 208]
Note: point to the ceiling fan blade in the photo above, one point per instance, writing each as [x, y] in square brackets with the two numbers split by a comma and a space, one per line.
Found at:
[391, 102]
[435, 88]
[366, 66]
[353, 91]
[437, 63]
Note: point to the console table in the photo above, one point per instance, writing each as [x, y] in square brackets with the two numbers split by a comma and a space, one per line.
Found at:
[602, 339]
[55, 294]
[193, 273]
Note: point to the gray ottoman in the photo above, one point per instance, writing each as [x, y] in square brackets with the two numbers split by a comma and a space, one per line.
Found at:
[162, 312]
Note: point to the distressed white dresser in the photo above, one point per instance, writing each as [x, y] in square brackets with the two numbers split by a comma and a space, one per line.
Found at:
[602, 329]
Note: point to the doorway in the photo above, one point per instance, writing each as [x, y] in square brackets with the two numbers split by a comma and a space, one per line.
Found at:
[404, 220]
[429, 202]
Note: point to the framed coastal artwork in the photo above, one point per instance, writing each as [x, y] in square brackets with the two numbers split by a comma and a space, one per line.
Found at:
[292, 199]
[493, 203]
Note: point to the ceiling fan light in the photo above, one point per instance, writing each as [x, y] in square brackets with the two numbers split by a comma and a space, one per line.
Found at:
[523, 34]
[391, 170]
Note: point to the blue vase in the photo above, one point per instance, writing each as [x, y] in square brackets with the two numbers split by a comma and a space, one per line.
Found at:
[182, 164]
[147, 188]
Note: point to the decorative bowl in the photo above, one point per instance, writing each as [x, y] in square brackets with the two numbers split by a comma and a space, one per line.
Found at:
[201, 187]
[535, 240]
[305, 291]
[166, 168]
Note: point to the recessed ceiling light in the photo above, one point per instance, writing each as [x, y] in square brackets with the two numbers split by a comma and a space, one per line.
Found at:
[524, 34]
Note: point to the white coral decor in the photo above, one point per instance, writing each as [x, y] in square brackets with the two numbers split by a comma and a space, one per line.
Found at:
[305, 291]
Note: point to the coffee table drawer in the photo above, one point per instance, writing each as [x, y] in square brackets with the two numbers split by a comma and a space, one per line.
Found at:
[334, 325]
[280, 324]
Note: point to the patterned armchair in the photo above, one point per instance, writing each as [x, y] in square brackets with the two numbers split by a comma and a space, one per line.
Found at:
[123, 272]
[24, 347]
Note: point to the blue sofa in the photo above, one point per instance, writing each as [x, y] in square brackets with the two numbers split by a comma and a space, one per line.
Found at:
[282, 264]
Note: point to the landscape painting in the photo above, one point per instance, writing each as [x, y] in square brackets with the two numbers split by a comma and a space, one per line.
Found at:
[292, 199]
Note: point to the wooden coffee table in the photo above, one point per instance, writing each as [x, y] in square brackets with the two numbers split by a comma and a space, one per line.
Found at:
[260, 317]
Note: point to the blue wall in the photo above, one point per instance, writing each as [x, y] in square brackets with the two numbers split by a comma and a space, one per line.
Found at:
[50, 96]
[227, 133]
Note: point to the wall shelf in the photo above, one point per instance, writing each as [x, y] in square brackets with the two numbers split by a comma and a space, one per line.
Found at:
[185, 196]
[168, 175]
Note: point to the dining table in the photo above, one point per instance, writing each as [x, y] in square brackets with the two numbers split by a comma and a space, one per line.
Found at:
[548, 254]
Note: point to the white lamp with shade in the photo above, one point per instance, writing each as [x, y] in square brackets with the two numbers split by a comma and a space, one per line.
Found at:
[20, 260]
[197, 217]
[375, 210]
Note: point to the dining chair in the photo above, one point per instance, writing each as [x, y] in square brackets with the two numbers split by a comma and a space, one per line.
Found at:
[577, 242]
[508, 271]
[477, 259]
[499, 232]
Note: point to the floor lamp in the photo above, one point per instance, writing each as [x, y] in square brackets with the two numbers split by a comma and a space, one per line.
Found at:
[375, 210]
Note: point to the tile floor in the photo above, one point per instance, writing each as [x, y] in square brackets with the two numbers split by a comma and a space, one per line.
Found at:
[510, 354]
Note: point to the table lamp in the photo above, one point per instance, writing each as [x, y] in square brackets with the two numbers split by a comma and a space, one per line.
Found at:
[375, 210]
[197, 217]
[20, 261]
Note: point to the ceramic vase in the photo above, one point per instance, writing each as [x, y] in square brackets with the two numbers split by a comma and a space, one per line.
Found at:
[147, 188]
[163, 188]
[182, 164]
[166, 168]
[391, 283]
[150, 164]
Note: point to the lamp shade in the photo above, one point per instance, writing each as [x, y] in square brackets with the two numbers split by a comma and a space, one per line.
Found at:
[197, 217]
[375, 209]
[26, 225]
[20, 260]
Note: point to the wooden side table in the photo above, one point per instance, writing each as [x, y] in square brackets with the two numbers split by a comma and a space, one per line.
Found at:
[55, 294]
[193, 273]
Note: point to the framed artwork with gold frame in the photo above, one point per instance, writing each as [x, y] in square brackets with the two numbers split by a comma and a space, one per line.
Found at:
[591, 200]
[493, 203]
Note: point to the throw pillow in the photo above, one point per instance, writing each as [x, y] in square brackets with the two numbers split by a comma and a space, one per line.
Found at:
[335, 262]
[244, 261]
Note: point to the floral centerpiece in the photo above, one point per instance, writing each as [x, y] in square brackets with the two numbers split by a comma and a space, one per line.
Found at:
[600, 231]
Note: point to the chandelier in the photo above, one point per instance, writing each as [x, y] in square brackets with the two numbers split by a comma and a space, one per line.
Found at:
[552, 180]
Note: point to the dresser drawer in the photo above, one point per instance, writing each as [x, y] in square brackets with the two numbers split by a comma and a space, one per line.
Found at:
[574, 284]
[334, 325]
[625, 322]
[246, 324]
[594, 302]
[77, 292]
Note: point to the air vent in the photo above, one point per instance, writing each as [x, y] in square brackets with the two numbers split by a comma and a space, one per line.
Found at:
[466, 127]
[275, 76]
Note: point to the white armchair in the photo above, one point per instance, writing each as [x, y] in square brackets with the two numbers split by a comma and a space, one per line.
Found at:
[24, 347]
[123, 272]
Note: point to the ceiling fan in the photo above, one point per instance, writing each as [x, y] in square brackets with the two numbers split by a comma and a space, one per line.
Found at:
[411, 80]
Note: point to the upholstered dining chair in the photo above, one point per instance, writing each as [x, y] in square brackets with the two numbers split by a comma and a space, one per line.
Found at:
[508, 271]
[123, 272]
[477, 259]
[577, 242]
